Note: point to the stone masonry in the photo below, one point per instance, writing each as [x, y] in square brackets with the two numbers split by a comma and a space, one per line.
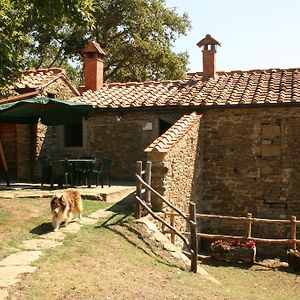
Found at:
[250, 164]
[174, 173]
[247, 160]
[123, 140]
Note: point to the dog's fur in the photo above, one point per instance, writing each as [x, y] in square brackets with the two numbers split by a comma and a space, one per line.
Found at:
[62, 207]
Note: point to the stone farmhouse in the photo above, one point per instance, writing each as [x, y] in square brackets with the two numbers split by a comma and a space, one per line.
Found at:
[227, 140]
[22, 143]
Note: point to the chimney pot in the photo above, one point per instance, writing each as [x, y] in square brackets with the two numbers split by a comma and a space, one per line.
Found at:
[209, 56]
[93, 66]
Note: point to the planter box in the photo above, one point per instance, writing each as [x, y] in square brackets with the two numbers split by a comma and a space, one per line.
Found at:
[234, 254]
[293, 258]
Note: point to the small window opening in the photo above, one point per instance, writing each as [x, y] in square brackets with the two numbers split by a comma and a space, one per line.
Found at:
[73, 135]
[90, 55]
[163, 126]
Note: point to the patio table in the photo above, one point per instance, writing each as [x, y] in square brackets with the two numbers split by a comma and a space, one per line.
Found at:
[82, 168]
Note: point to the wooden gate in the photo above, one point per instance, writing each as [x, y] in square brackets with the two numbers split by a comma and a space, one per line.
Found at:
[143, 200]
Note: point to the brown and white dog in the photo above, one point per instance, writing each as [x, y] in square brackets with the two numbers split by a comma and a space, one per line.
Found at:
[62, 207]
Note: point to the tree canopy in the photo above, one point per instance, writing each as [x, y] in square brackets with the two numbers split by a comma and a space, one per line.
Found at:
[137, 36]
[12, 42]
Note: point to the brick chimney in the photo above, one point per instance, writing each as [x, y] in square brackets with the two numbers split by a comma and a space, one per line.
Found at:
[209, 56]
[93, 66]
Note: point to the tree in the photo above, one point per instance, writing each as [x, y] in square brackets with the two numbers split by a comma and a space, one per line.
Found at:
[12, 43]
[35, 33]
[137, 36]
[57, 29]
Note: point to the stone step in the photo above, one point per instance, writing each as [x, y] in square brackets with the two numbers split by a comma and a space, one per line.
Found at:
[116, 196]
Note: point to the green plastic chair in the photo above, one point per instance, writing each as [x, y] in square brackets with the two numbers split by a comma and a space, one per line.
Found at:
[83, 171]
[46, 170]
[60, 172]
[102, 173]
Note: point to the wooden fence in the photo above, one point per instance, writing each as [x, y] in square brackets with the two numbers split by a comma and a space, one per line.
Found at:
[143, 201]
[248, 221]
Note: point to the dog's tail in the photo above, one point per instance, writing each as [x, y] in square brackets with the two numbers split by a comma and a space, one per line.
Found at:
[80, 209]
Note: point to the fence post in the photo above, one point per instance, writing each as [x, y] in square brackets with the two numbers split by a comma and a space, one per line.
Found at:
[148, 181]
[172, 217]
[137, 205]
[293, 233]
[194, 244]
[248, 226]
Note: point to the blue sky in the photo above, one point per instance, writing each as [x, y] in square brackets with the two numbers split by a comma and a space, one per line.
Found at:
[254, 34]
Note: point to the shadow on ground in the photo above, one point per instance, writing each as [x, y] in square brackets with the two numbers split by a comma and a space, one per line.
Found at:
[42, 229]
[125, 206]
[122, 223]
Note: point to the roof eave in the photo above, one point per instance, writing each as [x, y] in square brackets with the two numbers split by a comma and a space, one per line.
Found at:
[198, 108]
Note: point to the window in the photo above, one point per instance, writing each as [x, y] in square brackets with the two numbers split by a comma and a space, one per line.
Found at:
[72, 135]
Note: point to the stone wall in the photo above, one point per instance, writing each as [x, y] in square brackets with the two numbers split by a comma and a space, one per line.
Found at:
[175, 172]
[46, 147]
[61, 89]
[123, 140]
[251, 163]
[247, 160]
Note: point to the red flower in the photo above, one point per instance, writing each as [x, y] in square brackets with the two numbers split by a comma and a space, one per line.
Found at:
[250, 244]
[226, 245]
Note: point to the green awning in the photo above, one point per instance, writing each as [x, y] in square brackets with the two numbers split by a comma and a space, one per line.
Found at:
[48, 111]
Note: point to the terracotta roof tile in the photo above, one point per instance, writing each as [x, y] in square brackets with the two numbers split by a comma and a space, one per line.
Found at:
[228, 88]
[174, 134]
[40, 78]
[33, 79]
[92, 46]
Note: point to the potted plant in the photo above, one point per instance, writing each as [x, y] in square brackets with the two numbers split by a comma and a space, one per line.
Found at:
[293, 258]
[233, 251]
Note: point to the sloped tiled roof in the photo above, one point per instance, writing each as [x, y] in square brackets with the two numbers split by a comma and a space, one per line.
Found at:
[228, 88]
[174, 134]
[39, 78]
[92, 46]
[131, 94]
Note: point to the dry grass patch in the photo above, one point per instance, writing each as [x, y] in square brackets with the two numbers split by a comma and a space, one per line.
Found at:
[23, 218]
[114, 259]
[111, 261]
